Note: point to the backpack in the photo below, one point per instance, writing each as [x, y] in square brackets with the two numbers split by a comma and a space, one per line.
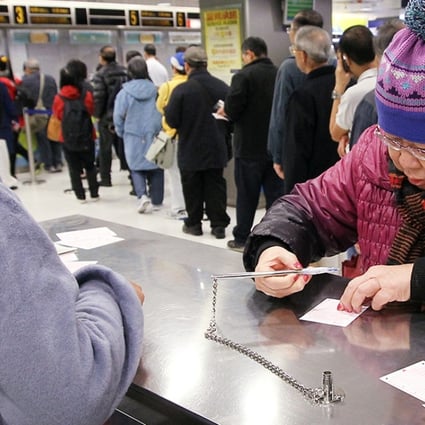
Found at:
[23, 100]
[77, 126]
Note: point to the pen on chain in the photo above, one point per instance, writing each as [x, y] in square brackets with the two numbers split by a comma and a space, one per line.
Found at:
[307, 270]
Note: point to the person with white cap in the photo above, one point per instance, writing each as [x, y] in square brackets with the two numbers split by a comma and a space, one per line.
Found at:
[374, 195]
[177, 208]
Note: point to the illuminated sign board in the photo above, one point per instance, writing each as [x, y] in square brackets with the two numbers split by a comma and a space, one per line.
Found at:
[155, 14]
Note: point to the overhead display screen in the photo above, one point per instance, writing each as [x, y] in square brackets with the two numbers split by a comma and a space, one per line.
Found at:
[127, 16]
[42, 15]
[4, 15]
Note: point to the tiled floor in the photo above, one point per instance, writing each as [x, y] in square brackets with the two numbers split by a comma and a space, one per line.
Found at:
[49, 200]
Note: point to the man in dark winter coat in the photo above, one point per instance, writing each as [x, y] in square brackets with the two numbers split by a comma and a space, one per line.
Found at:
[202, 153]
[248, 106]
[308, 146]
[107, 83]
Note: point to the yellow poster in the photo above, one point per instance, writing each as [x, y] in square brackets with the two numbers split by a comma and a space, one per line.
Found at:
[222, 34]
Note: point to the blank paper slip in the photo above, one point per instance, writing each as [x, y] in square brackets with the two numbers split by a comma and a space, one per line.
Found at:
[68, 257]
[410, 379]
[89, 238]
[71, 262]
[73, 266]
[63, 249]
[326, 312]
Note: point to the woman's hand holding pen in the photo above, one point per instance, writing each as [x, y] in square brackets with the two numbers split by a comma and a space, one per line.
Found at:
[278, 258]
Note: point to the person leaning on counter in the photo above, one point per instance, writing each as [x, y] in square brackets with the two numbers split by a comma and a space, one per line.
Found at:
[70, 346]
[374, 195]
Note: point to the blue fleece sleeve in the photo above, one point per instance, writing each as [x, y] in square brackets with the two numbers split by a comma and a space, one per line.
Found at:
[70, 346]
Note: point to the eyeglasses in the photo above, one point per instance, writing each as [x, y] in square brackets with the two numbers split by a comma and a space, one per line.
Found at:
[395, 144]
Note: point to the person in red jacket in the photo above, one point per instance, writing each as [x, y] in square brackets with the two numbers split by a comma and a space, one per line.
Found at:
[72, 84]
[375, 195]
[11, 82]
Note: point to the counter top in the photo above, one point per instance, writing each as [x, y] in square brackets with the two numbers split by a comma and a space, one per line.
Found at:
[221, 386]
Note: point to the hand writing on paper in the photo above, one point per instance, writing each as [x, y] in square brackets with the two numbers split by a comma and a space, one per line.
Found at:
[381, 284]
[278, 258]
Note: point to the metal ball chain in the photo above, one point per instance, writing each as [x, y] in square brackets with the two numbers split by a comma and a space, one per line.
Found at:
[314, 395]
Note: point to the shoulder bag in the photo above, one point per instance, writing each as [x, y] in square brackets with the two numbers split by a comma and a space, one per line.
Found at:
[162, 150]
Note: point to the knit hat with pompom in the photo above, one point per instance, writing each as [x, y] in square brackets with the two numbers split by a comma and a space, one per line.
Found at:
[400, 87]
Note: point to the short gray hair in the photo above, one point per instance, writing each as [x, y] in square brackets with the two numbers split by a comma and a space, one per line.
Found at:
[316, 42]
[32, 64]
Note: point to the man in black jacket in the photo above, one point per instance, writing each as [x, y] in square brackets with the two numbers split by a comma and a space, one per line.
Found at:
[107, 83]
[202, 153]
[248, 106]
[308, 146]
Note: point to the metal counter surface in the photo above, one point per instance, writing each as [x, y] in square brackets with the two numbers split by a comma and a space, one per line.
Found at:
[227, 388]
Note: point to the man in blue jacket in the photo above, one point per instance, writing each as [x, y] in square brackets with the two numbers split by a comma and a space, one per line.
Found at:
[50, 152]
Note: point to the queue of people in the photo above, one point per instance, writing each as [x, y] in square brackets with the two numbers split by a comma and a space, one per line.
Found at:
[373, 196]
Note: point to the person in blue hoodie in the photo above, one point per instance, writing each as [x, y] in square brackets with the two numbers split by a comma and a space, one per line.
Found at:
[137, 121]
[70, 344]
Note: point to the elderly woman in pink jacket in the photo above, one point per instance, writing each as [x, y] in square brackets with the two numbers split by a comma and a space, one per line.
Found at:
[374, 196]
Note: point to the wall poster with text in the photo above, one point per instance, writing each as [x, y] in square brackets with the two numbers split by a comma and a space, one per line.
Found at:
[222, 34]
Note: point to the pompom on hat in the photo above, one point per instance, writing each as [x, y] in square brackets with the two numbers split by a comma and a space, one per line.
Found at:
[400, 86]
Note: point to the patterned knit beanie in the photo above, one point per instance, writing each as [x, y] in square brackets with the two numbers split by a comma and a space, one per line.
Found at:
[400, 87]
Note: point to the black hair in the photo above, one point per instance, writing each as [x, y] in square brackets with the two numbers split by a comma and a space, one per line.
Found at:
[307, 17]
[256, 44]
[181, 49]
[131, 54]
[73, 74]
[150, 49]
[357, 43]
[137, 68]
[108, 54]
[65, 78]
[78, 68]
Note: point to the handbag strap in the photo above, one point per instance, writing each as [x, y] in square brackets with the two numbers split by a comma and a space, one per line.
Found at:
[40, 93]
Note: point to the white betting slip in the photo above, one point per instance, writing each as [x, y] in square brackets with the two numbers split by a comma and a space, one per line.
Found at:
[89, 238]
[410, 379]
[326, 312]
